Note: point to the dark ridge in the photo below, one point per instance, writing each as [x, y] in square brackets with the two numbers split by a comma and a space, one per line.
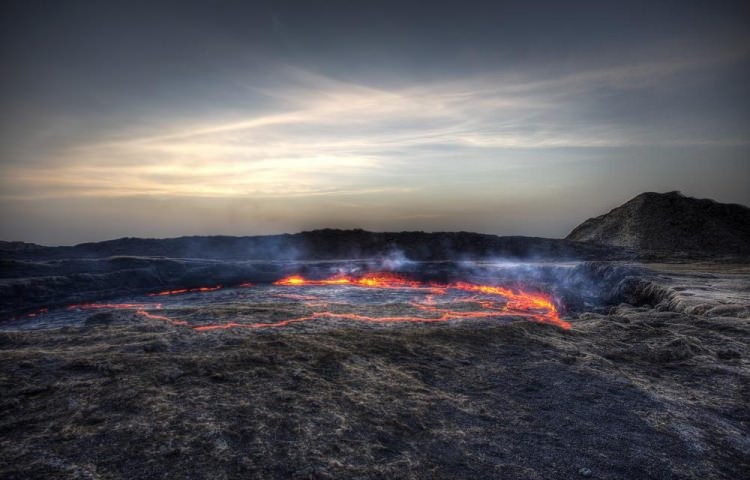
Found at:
[19, 247]
[326, 244]
[671, 224]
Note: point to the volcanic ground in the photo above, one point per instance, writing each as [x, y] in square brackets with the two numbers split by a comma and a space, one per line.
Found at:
[439, 370]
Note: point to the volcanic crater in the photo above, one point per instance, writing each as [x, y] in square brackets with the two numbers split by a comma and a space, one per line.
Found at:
[377, 298]
[119, 362]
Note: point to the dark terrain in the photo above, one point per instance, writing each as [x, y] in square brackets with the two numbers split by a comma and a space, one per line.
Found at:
[325, 244]
[651, 381]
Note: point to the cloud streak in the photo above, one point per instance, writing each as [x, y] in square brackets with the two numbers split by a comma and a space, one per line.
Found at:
[322, 136]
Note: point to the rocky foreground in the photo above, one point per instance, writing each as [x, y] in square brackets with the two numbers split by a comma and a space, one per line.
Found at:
[653, 388]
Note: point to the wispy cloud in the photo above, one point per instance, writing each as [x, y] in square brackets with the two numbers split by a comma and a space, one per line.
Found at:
[323, 136]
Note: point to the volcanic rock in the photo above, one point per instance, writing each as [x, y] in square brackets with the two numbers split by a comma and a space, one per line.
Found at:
[671, 224]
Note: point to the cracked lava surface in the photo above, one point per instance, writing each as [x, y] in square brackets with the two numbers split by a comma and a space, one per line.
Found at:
[373, 298]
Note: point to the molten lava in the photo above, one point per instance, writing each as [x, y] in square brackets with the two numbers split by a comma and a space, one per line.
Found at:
[37, 312]
[189, 290]
[374, 280]
[535, 306]
[431, 302]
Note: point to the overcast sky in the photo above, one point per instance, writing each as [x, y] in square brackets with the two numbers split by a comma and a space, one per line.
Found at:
[517, 118]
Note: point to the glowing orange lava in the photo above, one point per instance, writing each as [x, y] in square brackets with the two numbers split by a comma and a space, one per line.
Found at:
[164, 318]
[375, 280]
[37, 312]
[190, 290]
[534, 306]
[492, 302]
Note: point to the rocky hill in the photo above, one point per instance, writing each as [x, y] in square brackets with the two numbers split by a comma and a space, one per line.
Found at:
[670, 224]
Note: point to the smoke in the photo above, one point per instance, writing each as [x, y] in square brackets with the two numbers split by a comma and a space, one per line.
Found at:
[96, 271]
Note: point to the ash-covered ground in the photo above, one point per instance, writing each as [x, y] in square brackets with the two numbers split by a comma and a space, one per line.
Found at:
[652, 380]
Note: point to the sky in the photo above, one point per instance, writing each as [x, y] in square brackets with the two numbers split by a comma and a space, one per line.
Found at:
[161, 118]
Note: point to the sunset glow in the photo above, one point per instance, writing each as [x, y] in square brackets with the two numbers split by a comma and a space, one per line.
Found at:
[254, 136]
